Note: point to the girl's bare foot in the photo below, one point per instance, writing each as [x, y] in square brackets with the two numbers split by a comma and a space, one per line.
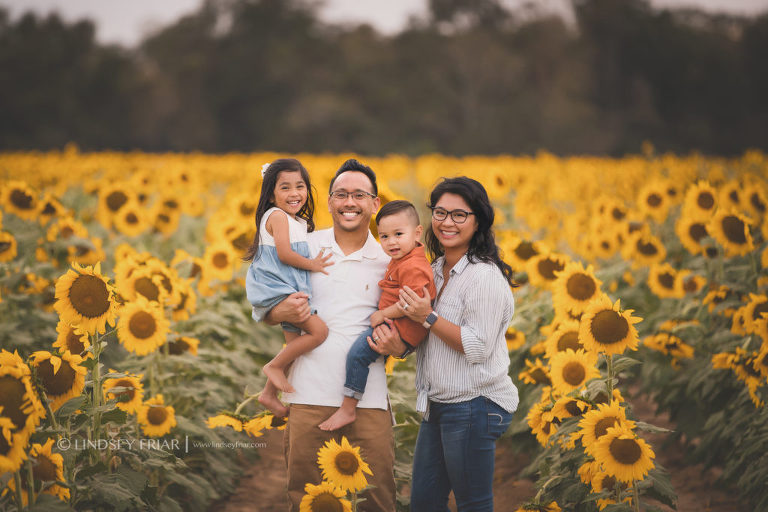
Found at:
[271, 402]
[277, 376]
[338, 419]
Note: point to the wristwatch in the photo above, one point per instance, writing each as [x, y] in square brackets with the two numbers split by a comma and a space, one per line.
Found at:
[431, 319]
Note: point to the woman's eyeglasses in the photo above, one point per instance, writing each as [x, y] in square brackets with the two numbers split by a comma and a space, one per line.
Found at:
[457, 216]
[357, 195]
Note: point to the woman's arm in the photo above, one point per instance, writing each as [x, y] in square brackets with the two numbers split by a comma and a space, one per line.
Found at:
[420, 307]
[277, 225]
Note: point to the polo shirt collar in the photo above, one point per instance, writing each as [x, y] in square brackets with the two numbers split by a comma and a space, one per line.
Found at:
[370, 250]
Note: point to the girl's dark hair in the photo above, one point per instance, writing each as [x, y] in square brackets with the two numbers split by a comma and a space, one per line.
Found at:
[268, 184]
[483, 246]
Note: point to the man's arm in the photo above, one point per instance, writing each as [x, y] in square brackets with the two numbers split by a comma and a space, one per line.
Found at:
[388, 341]
[294, 309]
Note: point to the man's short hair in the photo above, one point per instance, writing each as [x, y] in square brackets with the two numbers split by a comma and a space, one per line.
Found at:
[354, 165]
[397, 206]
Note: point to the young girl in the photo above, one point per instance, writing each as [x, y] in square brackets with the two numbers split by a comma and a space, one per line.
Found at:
[281, 264]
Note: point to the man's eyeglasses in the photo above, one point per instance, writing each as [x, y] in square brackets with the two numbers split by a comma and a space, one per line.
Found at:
[457, 216]
[357, 195]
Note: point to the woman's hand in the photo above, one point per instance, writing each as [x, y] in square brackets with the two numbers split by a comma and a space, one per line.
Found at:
[386, 340]
[414, 307]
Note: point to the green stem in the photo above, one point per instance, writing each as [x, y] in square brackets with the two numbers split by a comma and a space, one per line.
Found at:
[152, 372]
[30, 484]
[609, 360]
[637, 495]
[354, 502]
[17, 481]
[96, 376]
[49, 411]
[244, 402]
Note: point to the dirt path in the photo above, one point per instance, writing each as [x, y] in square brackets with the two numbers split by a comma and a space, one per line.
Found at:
[262, 487]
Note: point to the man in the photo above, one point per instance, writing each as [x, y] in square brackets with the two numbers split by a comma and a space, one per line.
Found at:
[344, 299]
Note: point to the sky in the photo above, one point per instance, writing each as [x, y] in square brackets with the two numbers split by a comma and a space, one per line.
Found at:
[126, 22]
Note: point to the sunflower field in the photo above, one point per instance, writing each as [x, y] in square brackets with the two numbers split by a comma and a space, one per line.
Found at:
[129, 362]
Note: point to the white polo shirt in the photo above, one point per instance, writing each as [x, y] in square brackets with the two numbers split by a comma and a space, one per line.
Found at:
[344, 299]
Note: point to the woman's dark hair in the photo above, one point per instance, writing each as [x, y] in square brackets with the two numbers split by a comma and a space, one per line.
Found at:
[482, 246]
[268, 185]
[354, 165]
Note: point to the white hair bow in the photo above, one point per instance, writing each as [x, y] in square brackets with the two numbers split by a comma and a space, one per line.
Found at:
[264, 169]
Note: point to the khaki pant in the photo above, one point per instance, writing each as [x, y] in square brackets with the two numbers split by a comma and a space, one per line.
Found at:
[371, 431]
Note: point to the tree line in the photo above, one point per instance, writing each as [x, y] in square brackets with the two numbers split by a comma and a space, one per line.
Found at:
[471, 77]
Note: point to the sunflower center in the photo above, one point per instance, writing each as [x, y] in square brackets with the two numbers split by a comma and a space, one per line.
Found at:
[690, 286]
[618, 213]
[49, 209]
[734, 229]
[609, 327]
[246, 209]
[547, 268]
[128, 394]
[346, 463]
[241, 242]
[142, 325]
[326, 502]
[5, 448]
[705, 201]
[667, 280]
[733, 195]
[539, 376]
[195, 270]
[115, 200]
[131, 218]
[602, 426]
[647, 248]
[21, 200]
[759, 309]
[89, 296]
[581, 286]
[757, 203]
[4, 246]
[626, 451]
[12, 394]
[220, 260]
[609, 483]
[66, 232]
[171, 204]
[163, 218]
[45, 469]
[277, 422]
[59, 383]
[574, 373]
[157, 415]
[569, 340]
[697, 231]
[74, 342]
[573, 408]
[654, 200]
[525, 251]
[144, 286]
[177, 347]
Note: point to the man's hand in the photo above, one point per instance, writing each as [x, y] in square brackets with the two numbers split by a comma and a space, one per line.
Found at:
[294, 309]
[387, 339]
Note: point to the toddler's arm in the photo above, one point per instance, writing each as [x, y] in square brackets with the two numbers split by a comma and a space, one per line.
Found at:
[277, 225]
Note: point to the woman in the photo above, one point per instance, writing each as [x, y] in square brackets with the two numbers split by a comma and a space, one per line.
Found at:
[464, 390]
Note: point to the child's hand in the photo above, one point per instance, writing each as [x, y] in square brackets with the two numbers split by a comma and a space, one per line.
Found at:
[321, 261]
[377, 318]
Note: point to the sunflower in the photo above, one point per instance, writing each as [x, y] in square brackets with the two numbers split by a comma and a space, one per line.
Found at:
[18, 399]
[731, 230]
[754, 311]
[570, 370]
[12, 445]
[714, 298]
[595, 423]
[691, 232]
[606, 328]
[166, 221]
[66, 228]
[624, 455]
[219, 261]
[143, 282]
[156, 418]
[665, 281]
[62, 376]
[131, 220]
[730, 195]
[257, 425]
[142, 327]
[87, 252]
[277, 422]
[700, 201]
[187, 265]
[183, 344]
[588, 470]
[643, 249]
[692, 284]
[543, 269]
[20, 200]
[575, 287]
[390, 363]
[324, 498]
[518, 251]
[756, 200]
[49, 467]
[652, 201]
[112, 198]
[50, 207]
[225, 420]
[535, 372]
[7, 246]
[515, 339]
[342, 465]
[669, 344]
[569, 407]
[71, 339]
[84, 298]
[127, 390]
[187, 304]
[542, 421]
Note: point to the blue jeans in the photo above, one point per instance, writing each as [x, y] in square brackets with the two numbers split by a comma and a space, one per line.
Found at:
[359, 358]
[455, 450]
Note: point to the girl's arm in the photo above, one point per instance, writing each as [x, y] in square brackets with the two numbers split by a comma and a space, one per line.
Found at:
[277, 226]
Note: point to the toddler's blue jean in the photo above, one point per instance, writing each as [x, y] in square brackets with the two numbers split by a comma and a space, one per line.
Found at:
[455, 450]
[359, 358]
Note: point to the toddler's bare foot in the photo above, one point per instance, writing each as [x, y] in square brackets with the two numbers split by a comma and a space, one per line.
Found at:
[277, 376]
[338, 419]
[271, 402]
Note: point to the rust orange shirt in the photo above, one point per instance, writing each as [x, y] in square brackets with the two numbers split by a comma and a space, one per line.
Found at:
[414, 271]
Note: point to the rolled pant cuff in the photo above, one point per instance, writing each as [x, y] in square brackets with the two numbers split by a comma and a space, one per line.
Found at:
[353, 394]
